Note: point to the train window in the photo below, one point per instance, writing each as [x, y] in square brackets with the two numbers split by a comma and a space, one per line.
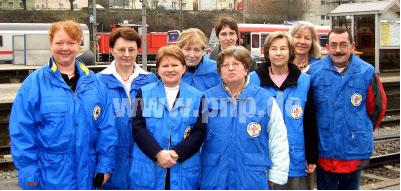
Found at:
[1, 41]
[323, 40]
[263, 38]
[255, 41]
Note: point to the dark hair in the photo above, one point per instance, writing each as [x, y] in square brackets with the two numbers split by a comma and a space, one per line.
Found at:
[227, 22]
[341, 30]
[126, 33]
[279, 35]
[238, 52]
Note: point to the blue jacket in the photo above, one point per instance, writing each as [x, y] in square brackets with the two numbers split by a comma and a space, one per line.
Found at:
[61, 138]
[169, 128]
[292, 100]
[243, 138]
[123, 112]
[204, 77]
[345, 130]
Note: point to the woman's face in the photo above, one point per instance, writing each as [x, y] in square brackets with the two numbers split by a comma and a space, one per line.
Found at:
[63, 48]
[170, 70]
[233, 71]
[279, 52]
[302, 42]
[124, 52]
[193, 54]
[227, 37]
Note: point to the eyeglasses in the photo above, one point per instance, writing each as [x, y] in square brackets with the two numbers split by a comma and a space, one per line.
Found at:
[225, 35]
[126, 50]
[233, 65]
[342, 45]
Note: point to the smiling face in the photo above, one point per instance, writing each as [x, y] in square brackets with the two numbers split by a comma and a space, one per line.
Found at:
[124, 52]
[340, 48]
[170, 70]
[279, 52]
[193, 54]
[303, 41]
[63, 48]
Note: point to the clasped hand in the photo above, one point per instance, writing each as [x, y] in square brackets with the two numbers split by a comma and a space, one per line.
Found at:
[166, 158]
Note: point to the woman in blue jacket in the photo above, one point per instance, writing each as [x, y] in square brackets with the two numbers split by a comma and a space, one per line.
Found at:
[290, 88]
[246, 141]
[61, 124]
[167, 129]
[124, 77]
[201, 72]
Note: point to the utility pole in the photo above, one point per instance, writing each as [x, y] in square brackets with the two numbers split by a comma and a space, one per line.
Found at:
[181, 24]
[144, 31]
[94, 30]
[243, 10]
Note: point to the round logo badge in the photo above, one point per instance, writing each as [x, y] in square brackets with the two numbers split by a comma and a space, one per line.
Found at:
[296, 111]
[186, 132]
[356, 99]
[253, 129]
[96, 112]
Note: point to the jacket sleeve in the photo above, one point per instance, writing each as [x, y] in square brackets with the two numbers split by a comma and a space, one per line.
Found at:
[310, 130]
[107, 137]
[140, 133]
[376, 101]
[278, 146]
[23, 136]
[189, 146]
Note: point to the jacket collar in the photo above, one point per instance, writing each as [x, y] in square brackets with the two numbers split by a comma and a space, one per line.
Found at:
[265, 80]
[351, 67]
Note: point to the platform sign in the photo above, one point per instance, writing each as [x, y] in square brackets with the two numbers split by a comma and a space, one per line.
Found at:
[172, 36]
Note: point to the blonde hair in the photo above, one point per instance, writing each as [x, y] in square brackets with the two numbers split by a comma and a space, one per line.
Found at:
[72, 28]
[302, 25]
[192, 36]
[279, 35]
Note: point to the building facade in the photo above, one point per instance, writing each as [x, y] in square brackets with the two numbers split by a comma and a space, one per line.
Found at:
[210, 5]
[16, 4]
[318, 10]
[59, 4]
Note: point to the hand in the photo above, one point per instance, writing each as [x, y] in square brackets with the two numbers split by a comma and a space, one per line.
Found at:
[271, 184]
[174, 155]
[310, 168]
[164, 159]
[31, 184]
[106, 178]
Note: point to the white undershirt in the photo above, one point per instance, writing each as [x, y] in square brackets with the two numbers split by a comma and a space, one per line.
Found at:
[171, 94]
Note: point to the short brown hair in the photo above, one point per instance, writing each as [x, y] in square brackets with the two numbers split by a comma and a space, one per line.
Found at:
[227, 22]
[72, 28]
[279, 35]
[301, 25]
[173, 51]
[238, 52]
[192, 36]
[341, 30]
[126, 33]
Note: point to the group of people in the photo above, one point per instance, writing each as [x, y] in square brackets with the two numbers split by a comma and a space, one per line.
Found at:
[202, 121]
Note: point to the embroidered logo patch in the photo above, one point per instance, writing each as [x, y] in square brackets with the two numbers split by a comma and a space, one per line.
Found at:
[356, 99]
[96, 112]
[296, 111]
[253, 129]
[186, 132]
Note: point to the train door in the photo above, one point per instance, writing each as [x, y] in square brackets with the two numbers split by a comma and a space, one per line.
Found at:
[255, 44]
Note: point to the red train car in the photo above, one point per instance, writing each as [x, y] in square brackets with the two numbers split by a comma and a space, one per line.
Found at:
[154, 41]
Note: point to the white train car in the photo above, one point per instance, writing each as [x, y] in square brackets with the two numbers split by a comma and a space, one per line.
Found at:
[18, 39]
